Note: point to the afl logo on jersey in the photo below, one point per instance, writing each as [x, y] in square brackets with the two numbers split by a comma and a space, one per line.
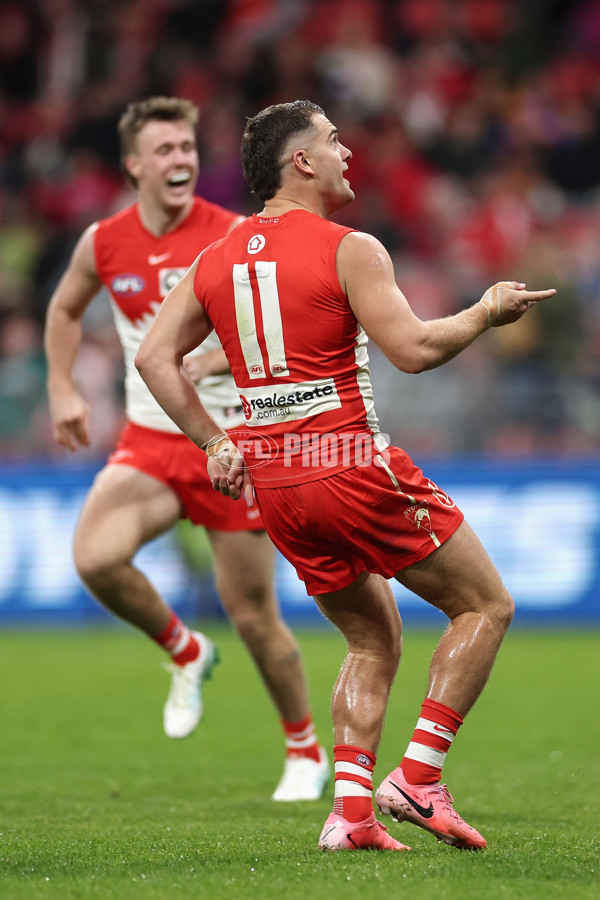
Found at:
[127, 285]
[256, 243]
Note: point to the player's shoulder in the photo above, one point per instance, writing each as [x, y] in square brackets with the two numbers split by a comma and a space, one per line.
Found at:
[360, 254]
[83, 255]
[319, 230]
[206, 210]
[233, 234]
[361, 244]
[120, 220]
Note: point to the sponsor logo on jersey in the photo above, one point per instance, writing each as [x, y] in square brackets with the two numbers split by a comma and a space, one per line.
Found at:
[155, 260]
[127, 285]
[168, 278]
[256, 243]
[263, 405]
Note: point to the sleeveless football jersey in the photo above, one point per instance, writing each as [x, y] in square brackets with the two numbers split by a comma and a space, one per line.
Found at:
[297, 353]
[139, 269]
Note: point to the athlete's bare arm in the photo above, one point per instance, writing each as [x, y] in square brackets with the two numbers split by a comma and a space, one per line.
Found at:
[62, 338]
[366, 274]
[181, 325]
[202, 365]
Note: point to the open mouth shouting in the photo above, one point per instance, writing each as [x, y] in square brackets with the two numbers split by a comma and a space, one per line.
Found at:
[179, 179]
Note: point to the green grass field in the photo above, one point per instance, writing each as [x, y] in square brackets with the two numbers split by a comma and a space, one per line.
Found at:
[97, 802]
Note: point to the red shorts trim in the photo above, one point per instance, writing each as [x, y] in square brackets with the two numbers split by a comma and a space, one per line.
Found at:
[178, 463]
[373, 518]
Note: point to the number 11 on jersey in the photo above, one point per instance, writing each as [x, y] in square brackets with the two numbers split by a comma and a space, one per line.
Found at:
[266, 356]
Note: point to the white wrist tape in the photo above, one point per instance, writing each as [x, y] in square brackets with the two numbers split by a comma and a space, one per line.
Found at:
[214, 444]
[492, 301]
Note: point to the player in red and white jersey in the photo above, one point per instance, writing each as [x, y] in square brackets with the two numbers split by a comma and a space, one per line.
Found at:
[156, 475]
[138, 269]
[289, 295]
[295, 381]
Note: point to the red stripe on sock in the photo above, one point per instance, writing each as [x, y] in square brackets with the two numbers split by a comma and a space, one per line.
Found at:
[295, 729]
[298, 731]
[442, 715]
[170, 635]
[349, 753]
[190, 652]
[417, 772]
[431, 740]
[354, 809]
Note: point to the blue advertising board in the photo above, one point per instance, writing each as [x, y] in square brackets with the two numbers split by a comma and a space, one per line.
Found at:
[539, 521]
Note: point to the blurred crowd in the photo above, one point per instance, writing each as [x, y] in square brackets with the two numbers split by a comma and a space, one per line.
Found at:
[475, 132]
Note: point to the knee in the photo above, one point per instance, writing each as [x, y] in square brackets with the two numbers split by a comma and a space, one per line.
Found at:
[382, 642]
[252, 608]
[392, 641]
[253, 623]
[504, 610]
[496, 610]
[395, 647]
[92, 565]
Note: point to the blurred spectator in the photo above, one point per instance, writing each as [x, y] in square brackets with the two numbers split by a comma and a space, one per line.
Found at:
[22, 382]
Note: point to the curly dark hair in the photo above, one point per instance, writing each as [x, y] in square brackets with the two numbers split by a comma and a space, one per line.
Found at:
[265, 137]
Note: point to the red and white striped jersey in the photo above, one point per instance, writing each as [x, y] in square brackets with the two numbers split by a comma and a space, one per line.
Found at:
[139, 269]
[297, 353]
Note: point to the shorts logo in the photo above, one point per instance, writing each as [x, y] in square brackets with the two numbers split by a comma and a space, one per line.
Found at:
[120, 455]
[363, 760]
[127, 285]
[440, 495]
[419, 514]
[256, 243]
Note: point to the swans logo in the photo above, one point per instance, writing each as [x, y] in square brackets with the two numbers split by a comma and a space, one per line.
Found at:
[419, 514]
[256, 243]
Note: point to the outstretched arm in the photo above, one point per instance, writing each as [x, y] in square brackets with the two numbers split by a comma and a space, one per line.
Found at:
[62, 338]
[180, 326]
[366, 274]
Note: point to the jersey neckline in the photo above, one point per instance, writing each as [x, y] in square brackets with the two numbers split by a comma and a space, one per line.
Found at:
[272, 220]
[170, 231]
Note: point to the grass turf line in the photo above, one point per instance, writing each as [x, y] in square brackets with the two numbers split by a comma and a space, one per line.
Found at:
[97, 802]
